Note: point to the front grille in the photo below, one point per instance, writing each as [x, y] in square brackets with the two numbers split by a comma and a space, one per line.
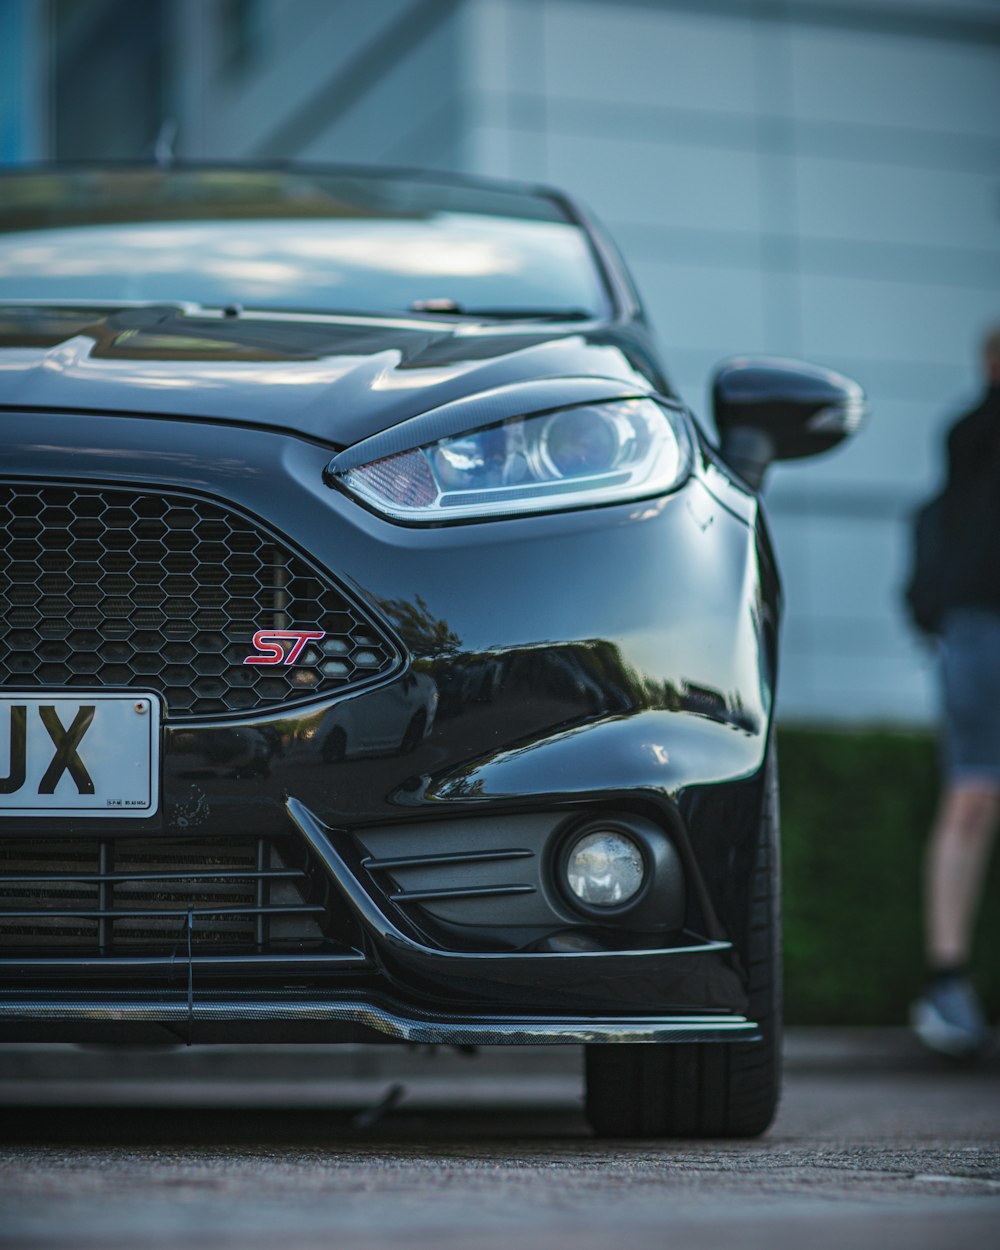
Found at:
[88, 897]
[111, 588]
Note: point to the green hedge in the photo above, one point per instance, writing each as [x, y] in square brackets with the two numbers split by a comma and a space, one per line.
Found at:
[855, 811]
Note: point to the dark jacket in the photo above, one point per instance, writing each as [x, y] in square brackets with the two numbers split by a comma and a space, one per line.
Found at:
[956, 549]
[972, 508]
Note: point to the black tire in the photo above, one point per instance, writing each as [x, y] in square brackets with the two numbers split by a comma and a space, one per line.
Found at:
[717, 1089]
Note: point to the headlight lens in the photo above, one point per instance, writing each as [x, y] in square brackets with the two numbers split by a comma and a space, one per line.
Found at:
[605, 869]
[575, 457]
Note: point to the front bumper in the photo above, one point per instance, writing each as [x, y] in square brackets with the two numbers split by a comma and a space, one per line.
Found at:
[542, 688]
[387, 980]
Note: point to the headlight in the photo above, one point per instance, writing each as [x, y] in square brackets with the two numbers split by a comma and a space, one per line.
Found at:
[572, 458]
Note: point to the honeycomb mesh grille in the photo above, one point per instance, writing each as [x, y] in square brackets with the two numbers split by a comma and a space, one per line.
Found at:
[110, 588]
[128, 896]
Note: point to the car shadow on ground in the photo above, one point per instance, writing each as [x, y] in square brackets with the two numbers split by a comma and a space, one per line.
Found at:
[98, 1126]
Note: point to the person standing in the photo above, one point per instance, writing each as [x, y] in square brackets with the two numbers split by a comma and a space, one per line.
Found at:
[963, 580]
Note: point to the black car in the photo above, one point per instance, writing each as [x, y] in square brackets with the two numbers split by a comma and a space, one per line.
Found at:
[386, 652]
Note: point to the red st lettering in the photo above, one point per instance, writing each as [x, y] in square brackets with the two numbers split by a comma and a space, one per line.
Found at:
[271, 649]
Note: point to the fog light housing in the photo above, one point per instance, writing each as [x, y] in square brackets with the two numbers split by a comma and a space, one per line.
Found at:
[604, 868]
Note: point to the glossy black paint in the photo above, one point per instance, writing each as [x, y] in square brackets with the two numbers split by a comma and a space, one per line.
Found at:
[338, 379]
[768, 409]
[625, 981]
[616, 659]
[568, 672]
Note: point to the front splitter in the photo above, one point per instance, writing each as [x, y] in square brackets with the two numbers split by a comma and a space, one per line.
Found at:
[389, 1023]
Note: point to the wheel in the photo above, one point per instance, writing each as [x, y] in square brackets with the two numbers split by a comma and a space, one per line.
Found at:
[716, 1089]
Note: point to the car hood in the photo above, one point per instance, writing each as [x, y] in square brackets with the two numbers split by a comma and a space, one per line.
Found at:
[338, 379]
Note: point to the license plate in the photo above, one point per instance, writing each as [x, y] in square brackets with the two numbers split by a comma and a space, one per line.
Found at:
[79, 754]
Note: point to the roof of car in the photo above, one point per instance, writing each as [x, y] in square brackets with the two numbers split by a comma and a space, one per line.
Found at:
[67, 192]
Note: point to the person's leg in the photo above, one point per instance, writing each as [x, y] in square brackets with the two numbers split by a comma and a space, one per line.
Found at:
[957, 857]
[948, 1017]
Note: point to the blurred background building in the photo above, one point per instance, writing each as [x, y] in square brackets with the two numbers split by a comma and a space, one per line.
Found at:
[816, 178]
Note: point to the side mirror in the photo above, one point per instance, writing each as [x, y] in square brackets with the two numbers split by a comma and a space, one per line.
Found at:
[771, 409]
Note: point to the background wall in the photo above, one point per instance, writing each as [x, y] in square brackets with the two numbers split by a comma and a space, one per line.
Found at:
[808, 177]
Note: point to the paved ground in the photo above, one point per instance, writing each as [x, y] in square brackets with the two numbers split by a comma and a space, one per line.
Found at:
[875, 1147]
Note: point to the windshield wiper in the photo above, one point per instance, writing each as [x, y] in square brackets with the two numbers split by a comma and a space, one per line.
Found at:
[452, 308]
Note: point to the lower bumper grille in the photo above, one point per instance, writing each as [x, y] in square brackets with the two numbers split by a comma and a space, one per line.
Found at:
[166, 897]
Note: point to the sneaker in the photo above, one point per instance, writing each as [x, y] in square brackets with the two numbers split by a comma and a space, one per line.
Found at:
[948, 1019]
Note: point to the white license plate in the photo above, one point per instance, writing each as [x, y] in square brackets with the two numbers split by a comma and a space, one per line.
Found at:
[74, 753]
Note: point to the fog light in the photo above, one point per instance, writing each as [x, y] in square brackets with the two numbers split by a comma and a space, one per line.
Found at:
[605, 869]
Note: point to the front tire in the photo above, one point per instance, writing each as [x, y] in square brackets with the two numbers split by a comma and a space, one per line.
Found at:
[715, 1089]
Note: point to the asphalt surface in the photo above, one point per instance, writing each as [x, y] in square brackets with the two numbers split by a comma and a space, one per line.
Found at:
[876, 1145]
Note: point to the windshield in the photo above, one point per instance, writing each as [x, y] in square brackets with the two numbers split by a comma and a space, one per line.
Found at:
[266, 239]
